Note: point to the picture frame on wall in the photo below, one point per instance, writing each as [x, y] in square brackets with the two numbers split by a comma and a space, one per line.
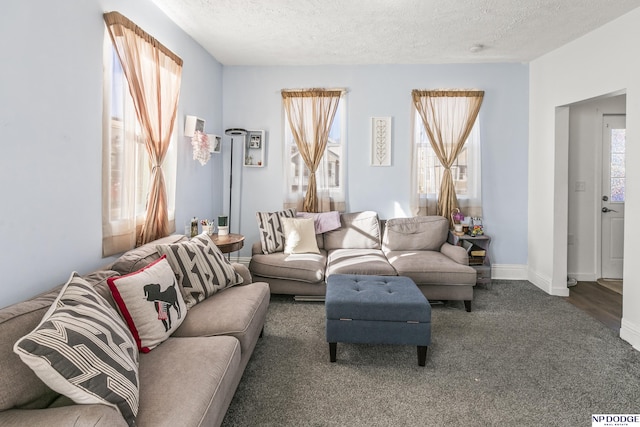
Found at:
[380, 141]
[255, 141]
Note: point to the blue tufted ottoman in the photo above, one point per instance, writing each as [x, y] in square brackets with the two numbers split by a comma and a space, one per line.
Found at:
[377, 310]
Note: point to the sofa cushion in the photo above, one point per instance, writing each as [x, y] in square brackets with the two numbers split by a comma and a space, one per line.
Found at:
[150, 302]
[239, 312]
[299, 236]
[307, 268]
[19, 385]
[359, 230]
[201, 269]
[188, 381]
[271, 231]
[99, 280]
[420, 233]
[431, 267]
[83, 350]
[359, 261]
[137, 258]
[71, 415]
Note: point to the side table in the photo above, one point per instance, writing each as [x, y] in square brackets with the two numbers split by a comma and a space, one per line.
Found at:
[229, 243]
[483, 269]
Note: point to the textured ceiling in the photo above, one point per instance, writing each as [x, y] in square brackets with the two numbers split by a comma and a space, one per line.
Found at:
[313, 32]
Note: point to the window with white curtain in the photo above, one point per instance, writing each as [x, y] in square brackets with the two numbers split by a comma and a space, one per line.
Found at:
[465, 171]
[330, 177]
[126, 160]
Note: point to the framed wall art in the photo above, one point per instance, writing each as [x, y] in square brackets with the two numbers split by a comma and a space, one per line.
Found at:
[380, 141]
[216, 143]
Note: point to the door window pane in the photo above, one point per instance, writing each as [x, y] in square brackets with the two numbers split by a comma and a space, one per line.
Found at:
[618, 174]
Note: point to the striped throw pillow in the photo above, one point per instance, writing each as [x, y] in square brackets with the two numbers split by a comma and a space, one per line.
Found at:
[83, 350]
[200, 267]
[271, 230]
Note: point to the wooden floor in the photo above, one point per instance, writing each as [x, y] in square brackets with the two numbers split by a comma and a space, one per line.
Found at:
[599, 302]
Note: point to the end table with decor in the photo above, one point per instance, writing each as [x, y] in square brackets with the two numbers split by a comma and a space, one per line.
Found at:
[478, 249]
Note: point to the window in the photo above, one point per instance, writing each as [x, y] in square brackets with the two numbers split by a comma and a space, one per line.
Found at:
[465, 171]
[126, 161]
[617, 165]
[330, 177]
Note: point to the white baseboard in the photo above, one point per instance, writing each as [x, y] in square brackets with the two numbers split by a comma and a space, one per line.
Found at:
[583, 277]
[546, 285]
[542, 282]
[509, 272]
[630, 332]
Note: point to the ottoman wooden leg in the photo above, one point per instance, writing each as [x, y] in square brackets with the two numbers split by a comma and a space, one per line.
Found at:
[332, 351]
[422, 355]
[467, 305]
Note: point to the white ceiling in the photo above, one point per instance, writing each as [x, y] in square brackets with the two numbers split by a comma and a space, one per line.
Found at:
[314, 32]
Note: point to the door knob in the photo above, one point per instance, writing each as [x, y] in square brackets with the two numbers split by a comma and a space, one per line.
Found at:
[606, 209]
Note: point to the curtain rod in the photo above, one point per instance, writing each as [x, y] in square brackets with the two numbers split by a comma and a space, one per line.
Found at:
[341, 89]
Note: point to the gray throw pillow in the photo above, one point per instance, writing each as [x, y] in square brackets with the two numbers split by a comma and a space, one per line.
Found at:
[200, 267]
[83, 350]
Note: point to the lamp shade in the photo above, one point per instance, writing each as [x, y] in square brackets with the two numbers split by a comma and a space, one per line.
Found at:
[235, 132]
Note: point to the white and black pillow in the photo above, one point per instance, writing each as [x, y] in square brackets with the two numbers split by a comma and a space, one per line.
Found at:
[150, 302]
[83, 350]
[200, 267]
[271, 230]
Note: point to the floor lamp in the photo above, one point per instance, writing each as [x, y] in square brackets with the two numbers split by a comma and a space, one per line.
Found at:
[232, 132]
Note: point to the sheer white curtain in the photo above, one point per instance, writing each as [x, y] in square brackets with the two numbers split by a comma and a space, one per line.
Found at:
[427, 172]
[141, 89]
[309, 123]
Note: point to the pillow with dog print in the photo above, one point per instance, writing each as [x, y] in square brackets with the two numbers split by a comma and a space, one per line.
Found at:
[150, 303]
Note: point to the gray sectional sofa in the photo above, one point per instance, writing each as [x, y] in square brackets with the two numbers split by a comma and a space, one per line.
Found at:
[188, 380]
[414, 247]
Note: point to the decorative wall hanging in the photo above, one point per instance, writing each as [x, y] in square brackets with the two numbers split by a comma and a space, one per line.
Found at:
[380, 141]
[201, 147]
[193, 124]
[216, 143]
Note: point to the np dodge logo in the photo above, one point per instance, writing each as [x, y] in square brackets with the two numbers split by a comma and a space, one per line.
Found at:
[615, 420]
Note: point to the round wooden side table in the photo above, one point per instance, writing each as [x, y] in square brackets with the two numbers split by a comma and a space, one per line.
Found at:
[229, 243]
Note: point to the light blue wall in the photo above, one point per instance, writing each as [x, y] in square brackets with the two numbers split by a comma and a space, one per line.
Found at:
[50, 131]
[51, 136]
[252, 100]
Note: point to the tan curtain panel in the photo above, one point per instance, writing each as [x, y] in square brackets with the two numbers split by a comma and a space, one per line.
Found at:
[311, 136]
[153, 73]
[448, 117]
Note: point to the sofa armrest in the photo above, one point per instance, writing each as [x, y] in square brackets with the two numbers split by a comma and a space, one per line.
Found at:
[243, 271]
[256, 248]
[456, 253]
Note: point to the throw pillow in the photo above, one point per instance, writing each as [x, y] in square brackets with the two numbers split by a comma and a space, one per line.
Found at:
[201, 269]
[323, 221]
[271, 232]
[83, 350]
[150, 303]
[299, 236]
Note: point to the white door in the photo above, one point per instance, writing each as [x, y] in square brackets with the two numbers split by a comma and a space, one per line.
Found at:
[613, 194]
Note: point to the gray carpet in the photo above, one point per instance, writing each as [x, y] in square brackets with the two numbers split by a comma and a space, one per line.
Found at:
[520, 358]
